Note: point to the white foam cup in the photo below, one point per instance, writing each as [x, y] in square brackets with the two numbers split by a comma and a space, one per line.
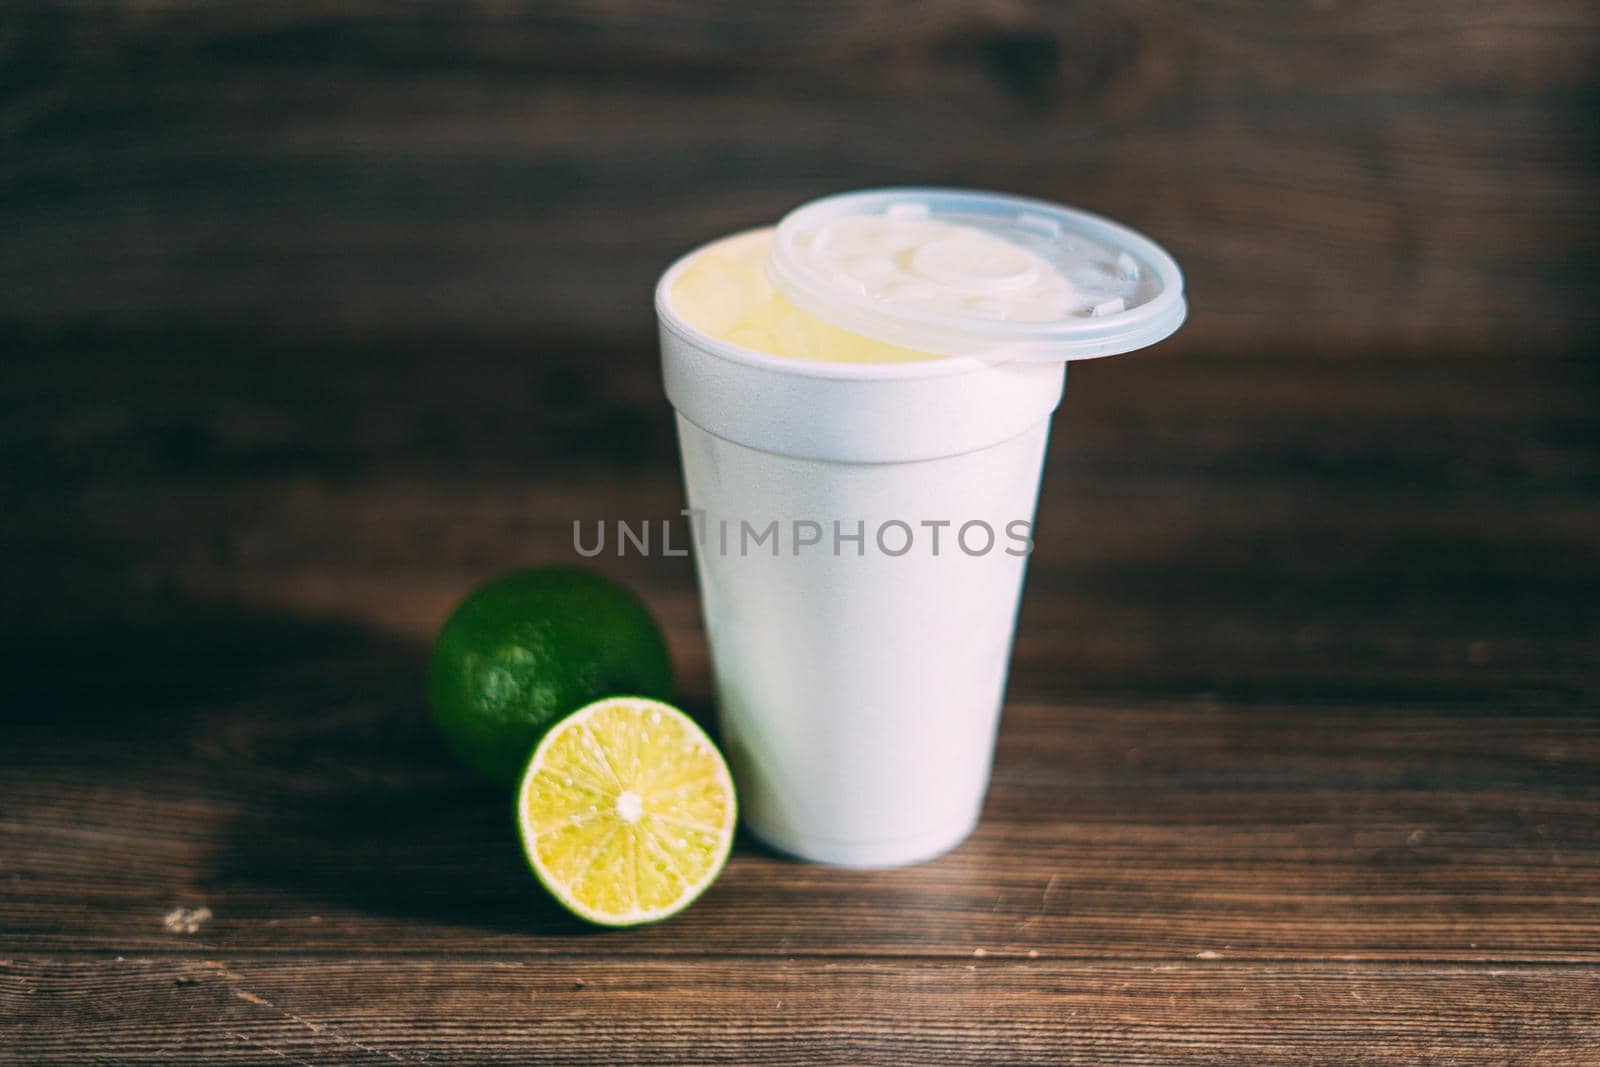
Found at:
[860, 646]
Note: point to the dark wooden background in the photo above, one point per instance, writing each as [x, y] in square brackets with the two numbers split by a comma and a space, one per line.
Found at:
[1335, 176]
[313, 315]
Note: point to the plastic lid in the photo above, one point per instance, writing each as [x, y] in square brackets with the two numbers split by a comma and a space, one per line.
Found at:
[963, 273]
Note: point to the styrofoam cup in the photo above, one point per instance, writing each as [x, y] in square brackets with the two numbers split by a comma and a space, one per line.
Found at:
[860, 689]
[860, 682]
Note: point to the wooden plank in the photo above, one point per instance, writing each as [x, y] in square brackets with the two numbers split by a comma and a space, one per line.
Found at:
[585, 1008]
[1408, 177]
[315, 812]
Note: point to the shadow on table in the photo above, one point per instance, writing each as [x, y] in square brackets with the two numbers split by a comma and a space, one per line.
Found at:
[350, 797]
[310, 738]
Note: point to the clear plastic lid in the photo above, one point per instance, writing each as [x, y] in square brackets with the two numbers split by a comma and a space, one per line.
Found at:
[964, 273]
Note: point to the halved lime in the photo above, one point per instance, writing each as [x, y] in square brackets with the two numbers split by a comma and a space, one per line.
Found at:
[626, 811]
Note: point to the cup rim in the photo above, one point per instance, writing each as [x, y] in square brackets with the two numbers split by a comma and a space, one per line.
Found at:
[935, 366]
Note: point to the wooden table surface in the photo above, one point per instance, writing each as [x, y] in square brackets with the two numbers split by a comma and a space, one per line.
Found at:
[1299, 759]
[312, 316]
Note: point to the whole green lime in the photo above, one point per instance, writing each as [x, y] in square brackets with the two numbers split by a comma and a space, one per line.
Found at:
[527, 648]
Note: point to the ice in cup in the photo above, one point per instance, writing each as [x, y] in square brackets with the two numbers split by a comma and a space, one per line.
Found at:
[863, 399]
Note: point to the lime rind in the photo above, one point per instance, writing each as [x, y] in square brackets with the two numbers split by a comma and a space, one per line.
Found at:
[593, 780]
[530, 646]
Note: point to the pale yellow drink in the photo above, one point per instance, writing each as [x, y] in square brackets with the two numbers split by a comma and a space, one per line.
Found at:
[725, 293]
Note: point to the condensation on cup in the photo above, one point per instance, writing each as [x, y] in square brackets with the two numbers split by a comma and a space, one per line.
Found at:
[860, 394]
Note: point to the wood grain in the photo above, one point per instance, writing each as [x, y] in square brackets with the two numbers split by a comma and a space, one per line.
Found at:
[1112, 831]
[1335, 178]
[578, 1009]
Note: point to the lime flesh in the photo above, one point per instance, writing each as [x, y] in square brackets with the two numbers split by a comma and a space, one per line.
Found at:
[626, 811]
